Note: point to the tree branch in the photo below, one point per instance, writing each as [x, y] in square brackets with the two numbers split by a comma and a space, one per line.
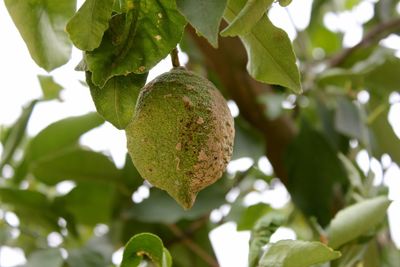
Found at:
[193, 246]
[377, 33]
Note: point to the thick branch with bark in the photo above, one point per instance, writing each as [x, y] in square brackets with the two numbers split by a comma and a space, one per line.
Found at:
[229, 62]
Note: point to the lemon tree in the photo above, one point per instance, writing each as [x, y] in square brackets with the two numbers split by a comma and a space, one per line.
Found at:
[307, 108]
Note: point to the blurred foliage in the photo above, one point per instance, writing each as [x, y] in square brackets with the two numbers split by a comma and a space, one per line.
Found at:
[336, 209]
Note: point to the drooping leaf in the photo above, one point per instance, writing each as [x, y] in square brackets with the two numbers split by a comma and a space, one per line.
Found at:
[75, 164]
[194, 11]
[314, 170]
[41, 24]
[349, 120]
[87, 26]
[270, 53]
[61, 134]
[136, 41]
[148, 245]
[45, 258]
[117, 99]
[261, 234]
[297, 253]
[51, 90]
[351, 222]
[247, 18]
[16, 134]
[90, 202]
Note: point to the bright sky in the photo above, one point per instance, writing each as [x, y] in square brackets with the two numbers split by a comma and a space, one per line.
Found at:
[19, 85]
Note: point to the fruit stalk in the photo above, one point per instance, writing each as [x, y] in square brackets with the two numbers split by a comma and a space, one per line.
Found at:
[175, 58]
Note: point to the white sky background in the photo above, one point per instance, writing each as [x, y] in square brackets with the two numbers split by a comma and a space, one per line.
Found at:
[19, 85]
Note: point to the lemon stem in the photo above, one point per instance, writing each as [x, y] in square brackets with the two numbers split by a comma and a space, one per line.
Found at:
[175, 58]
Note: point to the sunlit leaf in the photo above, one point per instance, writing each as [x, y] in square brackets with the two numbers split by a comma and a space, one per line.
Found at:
[16, 134]
[41, 24]
[51, 89]
[297, 253]
[247, 18]
[350, 222]
[270, 53]
[87, 26]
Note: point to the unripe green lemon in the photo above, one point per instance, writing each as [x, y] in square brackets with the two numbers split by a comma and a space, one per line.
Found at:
[181, 136]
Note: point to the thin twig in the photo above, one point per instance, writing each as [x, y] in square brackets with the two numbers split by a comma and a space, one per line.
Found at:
[193, 246]
[379, 32]
[175, 58]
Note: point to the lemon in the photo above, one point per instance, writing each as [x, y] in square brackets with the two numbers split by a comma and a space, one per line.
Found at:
[181, 136]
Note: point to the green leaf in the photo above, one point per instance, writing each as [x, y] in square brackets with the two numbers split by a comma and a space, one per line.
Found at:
[61, 134]
[31, 206]
[261, 235]
[130, 174]
[248, 142]
[16, 134]
[270, 53]
[350, 222]
[160, 207]
[297, 253]
[41, 24]
[194, 11]
[45, 258]
[75, 164]
[350, 121]
[116, 101]
[251, 215]
[90, 202]
[247, 18]
[87, 26]
[377, 72]
[136, 41]
[55, 137]
[386, 140]
[51, 90]
[284, 3]
[97, 252]
[149, 245]
[314, 171]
